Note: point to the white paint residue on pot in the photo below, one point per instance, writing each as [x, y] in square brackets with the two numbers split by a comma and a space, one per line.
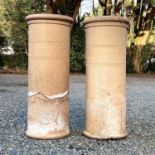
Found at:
[47, 124]
[30, 94]
[58, 95]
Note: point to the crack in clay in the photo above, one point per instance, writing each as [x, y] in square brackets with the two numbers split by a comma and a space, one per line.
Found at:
[30, 94]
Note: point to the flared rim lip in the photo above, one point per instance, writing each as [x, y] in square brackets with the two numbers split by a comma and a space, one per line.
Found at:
[49, 17]
[106, 19]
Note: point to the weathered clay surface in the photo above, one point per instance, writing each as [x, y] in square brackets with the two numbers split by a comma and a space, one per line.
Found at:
[106, 39]
[47, 117]
[49, 46]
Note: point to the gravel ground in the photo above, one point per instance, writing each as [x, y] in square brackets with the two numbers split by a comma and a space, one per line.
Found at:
[140, 121]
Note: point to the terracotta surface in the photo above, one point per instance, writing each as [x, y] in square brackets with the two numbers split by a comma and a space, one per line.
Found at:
[106, 41]
[49, 46]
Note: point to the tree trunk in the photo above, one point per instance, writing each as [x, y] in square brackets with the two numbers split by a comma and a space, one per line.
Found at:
[75, 10]
[49, 4]
[140, 42]
[52, 7]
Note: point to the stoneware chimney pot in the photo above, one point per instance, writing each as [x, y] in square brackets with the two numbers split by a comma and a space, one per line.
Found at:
[48, 75]
[106, 41]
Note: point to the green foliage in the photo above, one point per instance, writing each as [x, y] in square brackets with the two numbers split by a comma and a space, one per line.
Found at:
[129, 59]
[146, 52]
[152, 1]
[2, 40]
[3, 43]
[14, 28]
[9, 61]
[1, 61]
[77, 60]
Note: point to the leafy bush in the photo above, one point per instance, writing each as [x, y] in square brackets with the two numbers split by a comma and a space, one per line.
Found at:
[9, 61]
[77, 59]
[2, 45]
[146, 52]
[14, 61]
[129, 59]
[1, 61]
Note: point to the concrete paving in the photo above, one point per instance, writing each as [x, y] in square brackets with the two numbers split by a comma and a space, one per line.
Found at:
[140, 121]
